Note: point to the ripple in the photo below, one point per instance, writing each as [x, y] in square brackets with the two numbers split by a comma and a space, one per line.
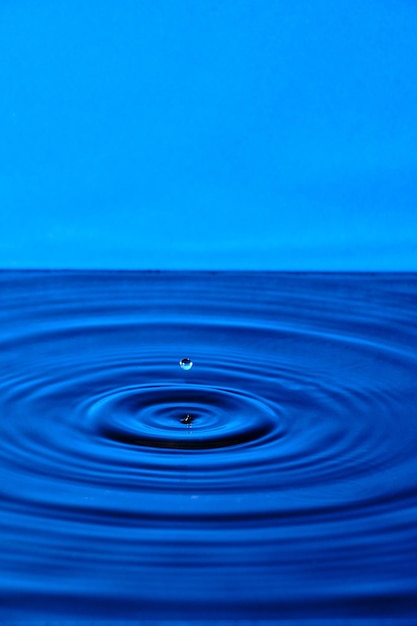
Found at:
[292, 439]
[154, 416]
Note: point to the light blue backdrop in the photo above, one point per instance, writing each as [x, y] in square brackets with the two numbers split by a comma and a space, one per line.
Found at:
[219, 134]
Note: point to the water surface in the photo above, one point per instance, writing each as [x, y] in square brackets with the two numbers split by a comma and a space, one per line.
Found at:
[275, 479]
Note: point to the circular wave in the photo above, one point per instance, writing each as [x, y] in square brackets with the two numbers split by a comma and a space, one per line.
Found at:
[289, 436]
[193, 417]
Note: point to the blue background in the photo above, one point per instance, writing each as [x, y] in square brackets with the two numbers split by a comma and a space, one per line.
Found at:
[208, 134]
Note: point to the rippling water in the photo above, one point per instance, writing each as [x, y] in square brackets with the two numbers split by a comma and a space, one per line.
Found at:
[275, 479]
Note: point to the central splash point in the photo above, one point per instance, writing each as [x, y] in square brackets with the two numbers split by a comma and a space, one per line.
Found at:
[187, 419]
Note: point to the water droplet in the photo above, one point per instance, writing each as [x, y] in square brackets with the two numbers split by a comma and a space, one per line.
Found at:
[186, 364]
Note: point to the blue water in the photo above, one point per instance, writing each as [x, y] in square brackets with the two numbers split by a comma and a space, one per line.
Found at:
[274, 480]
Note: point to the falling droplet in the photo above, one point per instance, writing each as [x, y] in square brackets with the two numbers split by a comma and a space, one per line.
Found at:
[186, 364]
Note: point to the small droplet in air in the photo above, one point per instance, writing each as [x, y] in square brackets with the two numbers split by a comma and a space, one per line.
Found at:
[186, 364]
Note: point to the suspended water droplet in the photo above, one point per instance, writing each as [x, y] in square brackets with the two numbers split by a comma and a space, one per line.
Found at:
[186, 364]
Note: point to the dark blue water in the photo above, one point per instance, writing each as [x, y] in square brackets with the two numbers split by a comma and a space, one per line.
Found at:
[274, 480]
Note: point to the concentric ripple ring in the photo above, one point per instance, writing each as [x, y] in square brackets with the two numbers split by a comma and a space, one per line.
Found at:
[277, 476]
[154, 415]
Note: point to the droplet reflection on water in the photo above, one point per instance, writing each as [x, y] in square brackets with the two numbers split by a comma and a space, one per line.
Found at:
[187, 419]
